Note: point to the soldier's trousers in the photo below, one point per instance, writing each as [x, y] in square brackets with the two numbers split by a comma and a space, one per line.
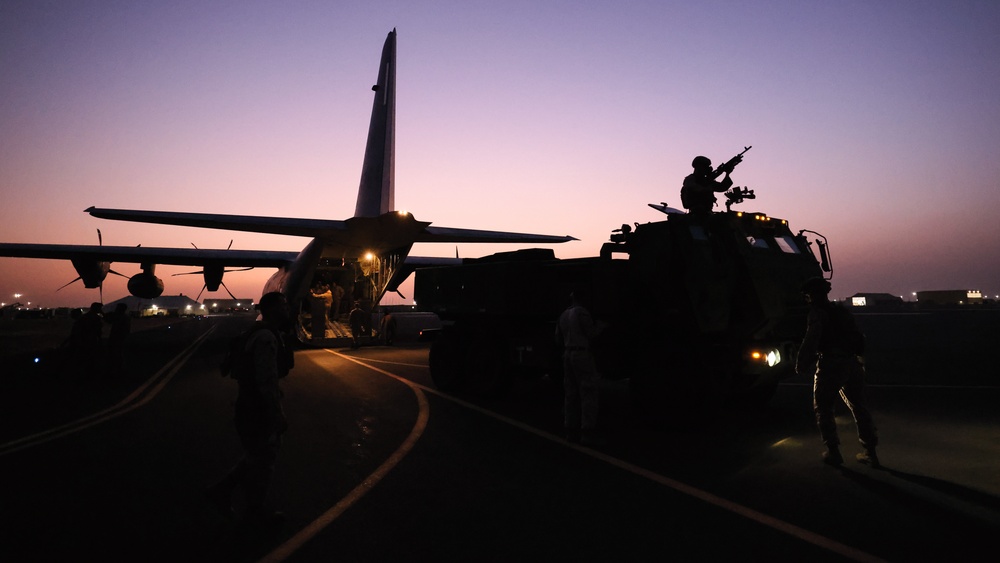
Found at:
[580, 384]
[261, 441]
[843, 377]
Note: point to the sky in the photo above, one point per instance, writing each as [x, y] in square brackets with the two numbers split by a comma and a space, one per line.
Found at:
[876, 124]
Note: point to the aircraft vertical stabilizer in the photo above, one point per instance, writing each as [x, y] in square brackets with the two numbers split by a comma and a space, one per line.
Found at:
[376, 193]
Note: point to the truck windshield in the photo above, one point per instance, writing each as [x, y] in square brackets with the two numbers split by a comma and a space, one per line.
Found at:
[786, 244]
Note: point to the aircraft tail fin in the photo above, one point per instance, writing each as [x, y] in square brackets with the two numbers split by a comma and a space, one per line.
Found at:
[377, 191]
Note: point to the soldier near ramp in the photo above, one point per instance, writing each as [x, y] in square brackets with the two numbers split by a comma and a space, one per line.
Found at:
[833, 346]
[260, 420]
[359, 320]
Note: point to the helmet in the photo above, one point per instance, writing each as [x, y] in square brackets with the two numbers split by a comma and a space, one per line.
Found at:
[816, 285]
[701, 162]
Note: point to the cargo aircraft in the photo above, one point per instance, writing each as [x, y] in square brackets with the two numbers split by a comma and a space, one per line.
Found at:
[368, 254]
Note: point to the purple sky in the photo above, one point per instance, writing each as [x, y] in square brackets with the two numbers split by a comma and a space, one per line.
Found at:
[874, 123]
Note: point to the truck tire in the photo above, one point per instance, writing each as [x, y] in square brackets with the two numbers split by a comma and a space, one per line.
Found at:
[673, 389]
[447, 363]
[486, 367]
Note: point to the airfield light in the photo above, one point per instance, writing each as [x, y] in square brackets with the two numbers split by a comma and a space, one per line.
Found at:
[369, 256]
[17, 296]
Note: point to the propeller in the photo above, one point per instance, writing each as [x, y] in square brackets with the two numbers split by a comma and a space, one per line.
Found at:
[213, 275]
[92, 272]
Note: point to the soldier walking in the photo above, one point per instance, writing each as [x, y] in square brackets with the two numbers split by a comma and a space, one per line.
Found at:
[834, 346]
[260, 420]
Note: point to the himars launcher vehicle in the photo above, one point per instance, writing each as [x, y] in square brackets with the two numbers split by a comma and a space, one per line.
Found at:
[699, 308]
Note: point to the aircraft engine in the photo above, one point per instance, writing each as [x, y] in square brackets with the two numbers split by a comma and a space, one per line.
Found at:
[213, 276]
[91, 272]
[145, 284]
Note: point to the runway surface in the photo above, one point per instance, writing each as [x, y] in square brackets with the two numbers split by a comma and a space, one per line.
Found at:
[379, 466]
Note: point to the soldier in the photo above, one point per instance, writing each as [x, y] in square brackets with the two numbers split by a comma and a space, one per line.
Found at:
[833, 346]
[121, 326]
[89, 339]
[260, 420]
[359, 324]
[388, 328]
[698, 191]
[575, 332]
[320, 298]
[337, 294]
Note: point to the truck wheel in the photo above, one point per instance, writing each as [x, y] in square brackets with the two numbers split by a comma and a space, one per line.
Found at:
[446, 363]
[673, 393]
[486, 368]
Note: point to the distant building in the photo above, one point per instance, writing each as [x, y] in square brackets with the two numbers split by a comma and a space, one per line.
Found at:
[228, 305]
[875, 300]
[164, 305]
[950, 297]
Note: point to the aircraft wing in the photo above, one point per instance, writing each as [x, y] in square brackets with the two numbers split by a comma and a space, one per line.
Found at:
[150, 254]
[319, 228]
[250, 223]
[448, 234]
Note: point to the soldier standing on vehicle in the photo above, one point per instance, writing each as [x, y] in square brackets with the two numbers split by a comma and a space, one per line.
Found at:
[698, 191]
[833, 346]
[260, 420]
[575, 332]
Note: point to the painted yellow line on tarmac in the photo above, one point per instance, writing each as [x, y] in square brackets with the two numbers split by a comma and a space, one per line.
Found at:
[289, 547]
[136, 399]
[286, 549]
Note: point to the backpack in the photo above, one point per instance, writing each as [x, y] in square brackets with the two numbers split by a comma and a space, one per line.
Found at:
[238, 361]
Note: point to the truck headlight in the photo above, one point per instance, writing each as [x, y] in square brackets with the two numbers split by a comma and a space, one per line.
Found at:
[771, 357]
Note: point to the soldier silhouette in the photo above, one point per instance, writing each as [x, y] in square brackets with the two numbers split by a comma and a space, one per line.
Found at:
[359, 323]
[87, 333]
[700, 187]
[121, 326]
[260, 420]
[833, 347]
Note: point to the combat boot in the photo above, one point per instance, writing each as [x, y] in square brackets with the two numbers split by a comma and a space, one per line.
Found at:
[591, 437]
[869, 458]
[832, 456]
[220, 497]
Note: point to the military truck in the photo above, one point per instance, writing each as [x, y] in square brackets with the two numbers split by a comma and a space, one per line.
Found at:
[699, 308]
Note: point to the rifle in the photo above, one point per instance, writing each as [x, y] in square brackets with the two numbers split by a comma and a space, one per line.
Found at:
[730, 164]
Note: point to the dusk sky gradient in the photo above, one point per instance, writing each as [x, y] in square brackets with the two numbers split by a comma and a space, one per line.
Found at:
[874, 123]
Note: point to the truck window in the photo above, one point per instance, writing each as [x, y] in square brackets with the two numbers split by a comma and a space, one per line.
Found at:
[757, 242]
[786, 244]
